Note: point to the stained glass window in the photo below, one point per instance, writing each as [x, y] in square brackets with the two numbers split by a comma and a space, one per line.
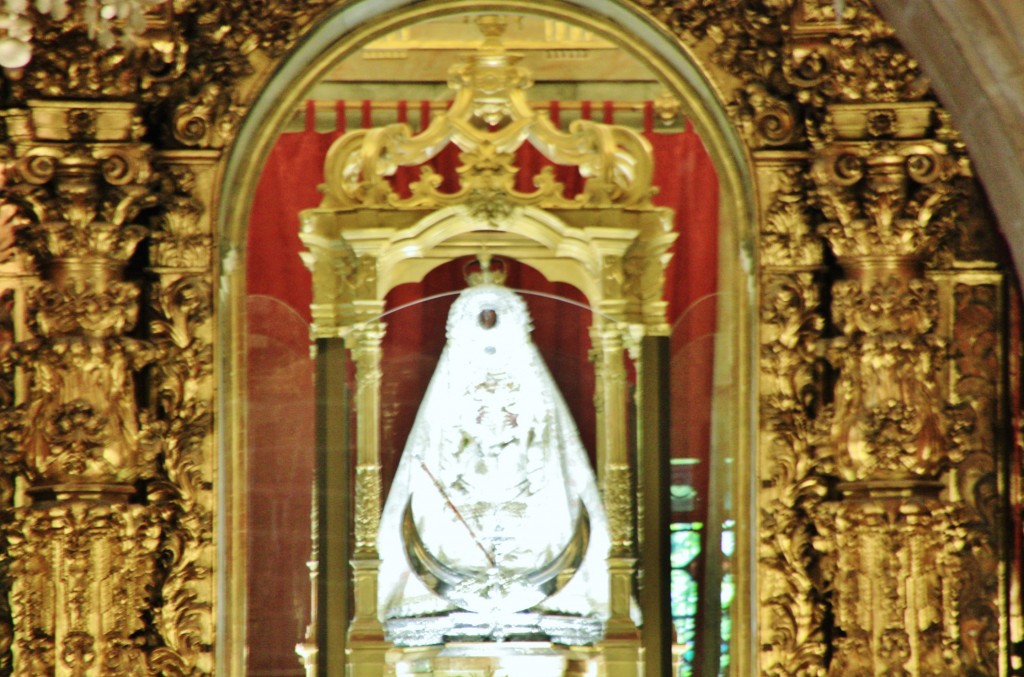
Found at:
[684, 552]
[728, 592]
[685, 558]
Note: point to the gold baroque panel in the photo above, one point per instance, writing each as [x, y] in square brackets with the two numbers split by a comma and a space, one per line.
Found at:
[881, 433]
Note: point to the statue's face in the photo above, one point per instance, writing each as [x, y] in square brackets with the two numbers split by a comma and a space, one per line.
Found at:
[488, 318]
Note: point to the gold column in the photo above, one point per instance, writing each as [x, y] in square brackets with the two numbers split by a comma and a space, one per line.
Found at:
[621, 645]
[654, 518]
[82, 550]
[366, 643]
[894, 537]
[331, 602]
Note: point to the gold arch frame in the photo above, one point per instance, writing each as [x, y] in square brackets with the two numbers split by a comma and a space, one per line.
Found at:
[699, 103]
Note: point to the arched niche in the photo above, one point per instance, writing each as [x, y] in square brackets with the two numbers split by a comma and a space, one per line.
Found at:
[565, 245]
[344, 31]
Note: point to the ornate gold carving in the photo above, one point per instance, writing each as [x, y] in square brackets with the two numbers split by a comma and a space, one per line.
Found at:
[79, 69]
[183, 306]
[618, 500]
[180, 415]
[788, 235]
[233, 30]
[181, 237]
[367, 508]
[791, 329]
[881, 197]
[84, 426]
[768, 121]
[856, 59]
[207, 119]
[965, 224]
[975, 320]
[888, 184]
[868, 64]
[180, 418]
[82, 415]
[489, 89]
[888, 418]
[792, 478]
[886, 304]
[792, 482]
[895, 612]
[896, 120]
[181, 421]
[79, 186]
[64, 558]
[86, 445]
[82, 305]
[896, 565]
[14, 277]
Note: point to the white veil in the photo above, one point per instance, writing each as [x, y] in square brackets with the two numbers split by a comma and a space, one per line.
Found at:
[493, 463]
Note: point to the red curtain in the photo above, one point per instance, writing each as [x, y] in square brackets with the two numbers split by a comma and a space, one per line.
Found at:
[281, 436]
[289, 183]
[686, 182]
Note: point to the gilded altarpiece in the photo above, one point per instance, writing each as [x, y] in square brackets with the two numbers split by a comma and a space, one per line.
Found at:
[879, 471]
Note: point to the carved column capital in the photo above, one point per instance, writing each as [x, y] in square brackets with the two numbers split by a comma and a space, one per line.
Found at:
[880, 197]
[345, 282]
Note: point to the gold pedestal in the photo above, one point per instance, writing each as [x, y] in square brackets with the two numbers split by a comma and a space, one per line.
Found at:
[621, 647]
[491, 659]
[622, 657]
[367, 646]
[367, 659]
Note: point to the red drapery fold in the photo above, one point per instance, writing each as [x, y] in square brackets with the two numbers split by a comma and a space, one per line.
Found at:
[287, 185]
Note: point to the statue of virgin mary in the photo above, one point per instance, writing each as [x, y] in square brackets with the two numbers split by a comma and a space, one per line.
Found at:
[493, 527]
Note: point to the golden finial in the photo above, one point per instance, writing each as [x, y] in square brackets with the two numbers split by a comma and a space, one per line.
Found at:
[485, 269]
[493, 28]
